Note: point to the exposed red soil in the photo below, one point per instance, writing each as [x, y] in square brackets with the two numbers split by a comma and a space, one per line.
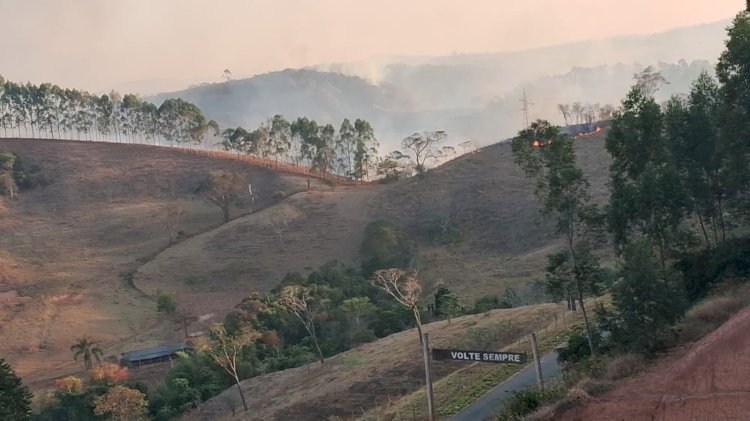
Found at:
[710, 382]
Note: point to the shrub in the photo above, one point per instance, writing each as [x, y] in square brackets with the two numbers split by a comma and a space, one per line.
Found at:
[165, 303]
[385, 246]
[363, 337]
[489, 302]
[278, 195]
[527, 401]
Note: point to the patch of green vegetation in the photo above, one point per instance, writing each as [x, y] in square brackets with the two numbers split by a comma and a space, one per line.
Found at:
[352, 359]
[194, 279]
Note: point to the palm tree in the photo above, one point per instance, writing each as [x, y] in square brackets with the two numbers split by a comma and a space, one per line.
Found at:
[88, 349]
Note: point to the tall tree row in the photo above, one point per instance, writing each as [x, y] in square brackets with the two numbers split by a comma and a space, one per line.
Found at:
[48, 111]
[349, 152]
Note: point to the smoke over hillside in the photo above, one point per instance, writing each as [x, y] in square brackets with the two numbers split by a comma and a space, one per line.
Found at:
[472, 97]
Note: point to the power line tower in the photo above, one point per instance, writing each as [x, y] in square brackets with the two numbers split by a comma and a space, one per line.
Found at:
[525, 108]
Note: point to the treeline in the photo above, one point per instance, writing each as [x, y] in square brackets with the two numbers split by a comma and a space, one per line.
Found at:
[677, 217]
[49, 111]
[678, 210]
[580, 113]
[351, 151]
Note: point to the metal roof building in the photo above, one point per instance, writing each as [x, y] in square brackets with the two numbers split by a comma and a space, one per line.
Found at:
[152, 355]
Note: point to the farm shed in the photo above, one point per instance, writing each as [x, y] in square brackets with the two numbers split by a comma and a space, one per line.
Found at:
[152, 355]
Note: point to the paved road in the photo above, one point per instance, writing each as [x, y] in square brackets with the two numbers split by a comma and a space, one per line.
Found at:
[491, 403]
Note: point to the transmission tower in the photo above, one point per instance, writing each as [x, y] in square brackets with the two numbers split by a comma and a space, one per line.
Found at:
[525, 108]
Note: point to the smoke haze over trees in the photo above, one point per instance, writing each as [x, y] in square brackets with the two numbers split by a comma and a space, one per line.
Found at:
[469, 96]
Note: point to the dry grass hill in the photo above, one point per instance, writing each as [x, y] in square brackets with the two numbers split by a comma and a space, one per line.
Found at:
[68, 249]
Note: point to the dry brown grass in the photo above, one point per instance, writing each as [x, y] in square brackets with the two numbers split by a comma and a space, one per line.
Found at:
[623, 366]
[377, 374]
[100, 220]
[505, 240]
[66, 246]
[710, 313]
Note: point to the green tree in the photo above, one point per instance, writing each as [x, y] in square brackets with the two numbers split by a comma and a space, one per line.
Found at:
[648, 300]
[647, 194]
[548, 156]
[87, 349]
[281, 136]
[385, 246]
[15, 398]
[733, 72]
[447, 303]
[366, 149]
[346, 144]
[693, 136]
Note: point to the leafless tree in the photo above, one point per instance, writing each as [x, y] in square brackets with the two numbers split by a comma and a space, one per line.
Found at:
[424, 147]
[279, 221]
[225, 350]
[171, 217]
[404, 288]
[565, 111]
[225, 189]
[649, 81]
[300, 301]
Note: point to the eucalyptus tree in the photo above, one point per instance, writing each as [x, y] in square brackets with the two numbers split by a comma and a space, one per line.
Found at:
[424, 147]
[306, 132]
[366, 150]
[346, 144]
[234, 140]
[281, 136]
[548, 157]
[733, 72]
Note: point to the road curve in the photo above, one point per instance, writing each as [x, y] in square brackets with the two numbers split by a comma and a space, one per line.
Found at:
[491, 403]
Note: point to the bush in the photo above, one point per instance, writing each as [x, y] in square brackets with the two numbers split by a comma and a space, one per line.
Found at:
[278, 195]
[704, 269]
[385, 246]
[489, 302]
[527, 401]
[363, 337]
[165, 303]
[578, 346]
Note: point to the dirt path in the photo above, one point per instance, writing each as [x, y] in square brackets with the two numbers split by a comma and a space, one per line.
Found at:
[211, 272]
[709, 382]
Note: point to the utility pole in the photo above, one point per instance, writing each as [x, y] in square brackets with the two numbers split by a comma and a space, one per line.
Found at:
[525, 108]
[428, 377]
[537, 362]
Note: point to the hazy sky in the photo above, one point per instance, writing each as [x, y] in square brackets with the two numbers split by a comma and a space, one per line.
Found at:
[166, 44]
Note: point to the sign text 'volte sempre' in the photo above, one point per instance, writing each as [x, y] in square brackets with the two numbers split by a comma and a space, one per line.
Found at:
[478, 356]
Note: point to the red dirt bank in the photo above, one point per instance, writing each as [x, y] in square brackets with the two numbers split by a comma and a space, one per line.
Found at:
[710, 382]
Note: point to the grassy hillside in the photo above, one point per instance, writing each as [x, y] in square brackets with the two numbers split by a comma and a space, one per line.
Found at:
[69, 248]
[504, 240]
[372, 377]
[66, 248]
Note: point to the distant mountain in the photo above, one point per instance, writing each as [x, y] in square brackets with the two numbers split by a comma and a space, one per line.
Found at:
[471, 96]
